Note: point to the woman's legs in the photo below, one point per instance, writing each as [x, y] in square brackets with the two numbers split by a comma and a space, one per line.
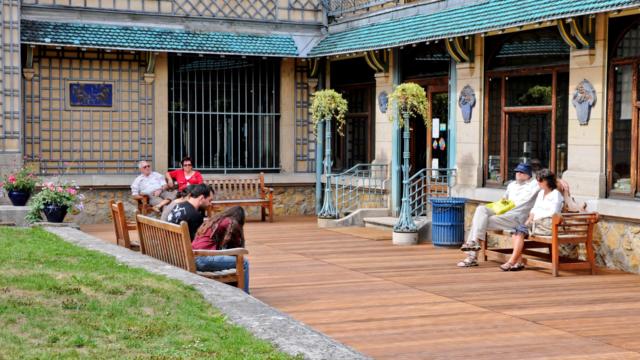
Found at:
[217, 263]
[518, 245]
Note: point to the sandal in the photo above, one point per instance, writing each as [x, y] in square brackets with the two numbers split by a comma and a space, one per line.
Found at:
[507, 266]
[473, 246]
[517, 267]
[469, 261]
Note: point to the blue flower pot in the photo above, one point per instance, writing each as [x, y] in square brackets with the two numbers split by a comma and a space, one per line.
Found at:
[19, 198]
[55, 213]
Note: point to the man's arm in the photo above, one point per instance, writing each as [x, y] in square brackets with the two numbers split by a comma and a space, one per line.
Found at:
[135, 186]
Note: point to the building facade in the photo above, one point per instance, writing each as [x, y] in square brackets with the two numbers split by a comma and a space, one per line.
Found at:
[90, 87]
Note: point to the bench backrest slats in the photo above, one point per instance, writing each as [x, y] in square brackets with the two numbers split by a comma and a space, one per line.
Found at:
[167, 242]
[227, 188]
[575, 224]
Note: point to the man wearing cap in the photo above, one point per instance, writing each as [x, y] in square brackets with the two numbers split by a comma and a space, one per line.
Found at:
[522, 192]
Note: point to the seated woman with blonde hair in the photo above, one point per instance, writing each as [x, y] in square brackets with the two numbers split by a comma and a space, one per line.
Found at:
[548, 202]
[221, 231]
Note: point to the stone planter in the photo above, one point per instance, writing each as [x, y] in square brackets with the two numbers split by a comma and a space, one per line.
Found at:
[19, 198]
[405, 238]
[55, 213]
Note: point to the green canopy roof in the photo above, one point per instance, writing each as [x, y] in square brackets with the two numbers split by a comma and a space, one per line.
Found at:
[155, 39]
[471, 19]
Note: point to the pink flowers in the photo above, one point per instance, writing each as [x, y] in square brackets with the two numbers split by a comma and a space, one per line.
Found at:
[72, 191]
[12, 179]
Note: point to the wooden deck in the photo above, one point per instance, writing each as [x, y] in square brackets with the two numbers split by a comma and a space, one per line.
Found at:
[394, 302]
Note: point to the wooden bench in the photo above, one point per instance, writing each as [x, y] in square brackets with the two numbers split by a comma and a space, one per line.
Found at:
[567, 228]
[172, 244]
[121, 226]
[144, 207]
[242, 191]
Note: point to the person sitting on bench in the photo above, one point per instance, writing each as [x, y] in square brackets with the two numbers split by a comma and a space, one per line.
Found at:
[152, 184]
[522, 192]
[548, 202]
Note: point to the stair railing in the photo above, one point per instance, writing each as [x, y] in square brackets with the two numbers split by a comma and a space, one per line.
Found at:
[362, 186]
[428, 183]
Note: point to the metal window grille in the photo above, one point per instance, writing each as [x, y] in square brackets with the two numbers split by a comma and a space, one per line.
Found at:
[224, 113]
[87, 140]
[305, 138]
[10, 76]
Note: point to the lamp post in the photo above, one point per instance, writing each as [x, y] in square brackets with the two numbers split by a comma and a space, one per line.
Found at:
[405, 221]
[328, 210]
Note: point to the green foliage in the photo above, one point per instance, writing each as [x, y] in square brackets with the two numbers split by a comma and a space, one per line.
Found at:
[60, 193]
[59, 301]
[328, 104]
[20, 180]
[410, 98]
[536, 95]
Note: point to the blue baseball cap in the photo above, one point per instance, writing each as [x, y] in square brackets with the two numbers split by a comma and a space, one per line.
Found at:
[523, 168]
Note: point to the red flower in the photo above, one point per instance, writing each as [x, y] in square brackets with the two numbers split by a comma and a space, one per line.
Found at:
[12, 179]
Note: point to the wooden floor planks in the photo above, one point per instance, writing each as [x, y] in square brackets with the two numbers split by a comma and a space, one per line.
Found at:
[394, 302]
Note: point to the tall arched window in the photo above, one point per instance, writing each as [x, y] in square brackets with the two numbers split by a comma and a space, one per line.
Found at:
[526, 107]
[623, 165]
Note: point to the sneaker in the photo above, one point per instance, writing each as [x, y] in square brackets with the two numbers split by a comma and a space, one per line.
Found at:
[469, 261]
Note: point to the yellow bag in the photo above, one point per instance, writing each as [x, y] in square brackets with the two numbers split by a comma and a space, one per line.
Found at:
[501, 207]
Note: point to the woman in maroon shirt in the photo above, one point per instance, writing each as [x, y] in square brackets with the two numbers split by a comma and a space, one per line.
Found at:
[222, 231]
[185, 176]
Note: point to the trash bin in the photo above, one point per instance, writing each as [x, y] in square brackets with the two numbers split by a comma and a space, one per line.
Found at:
[447, 221]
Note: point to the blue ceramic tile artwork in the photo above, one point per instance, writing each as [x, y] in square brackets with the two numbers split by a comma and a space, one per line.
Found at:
[86, 94]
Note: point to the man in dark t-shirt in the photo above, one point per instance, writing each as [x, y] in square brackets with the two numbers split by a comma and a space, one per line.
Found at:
[192, 210]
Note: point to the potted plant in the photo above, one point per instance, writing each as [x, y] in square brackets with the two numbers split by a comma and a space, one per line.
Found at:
[326, 105]
[19, 185]
[54, 200]
[410, 99]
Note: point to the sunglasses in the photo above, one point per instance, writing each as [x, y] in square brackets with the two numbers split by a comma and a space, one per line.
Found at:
[146, 166]
[187, 164]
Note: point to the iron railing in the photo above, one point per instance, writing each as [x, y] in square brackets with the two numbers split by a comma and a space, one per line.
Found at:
[362, 186]
[338, 8]
[428, 183]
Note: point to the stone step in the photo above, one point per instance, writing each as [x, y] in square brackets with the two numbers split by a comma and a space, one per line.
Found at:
[387, 222]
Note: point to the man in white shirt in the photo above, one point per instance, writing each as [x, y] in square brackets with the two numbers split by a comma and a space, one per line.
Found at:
[522, 192]
[153, 185]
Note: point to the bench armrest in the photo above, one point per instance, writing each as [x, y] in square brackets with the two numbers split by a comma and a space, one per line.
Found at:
[228, 252]
[143, 198]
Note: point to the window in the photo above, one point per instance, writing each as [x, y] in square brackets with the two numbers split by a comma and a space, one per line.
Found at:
[623, 166]
[224, 113]
[526, 116]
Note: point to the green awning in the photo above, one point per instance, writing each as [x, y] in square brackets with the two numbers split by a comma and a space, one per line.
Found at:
[481, 17]
[155, 39]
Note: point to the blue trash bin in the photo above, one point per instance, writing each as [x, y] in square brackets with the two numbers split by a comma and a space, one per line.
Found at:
[447, 221]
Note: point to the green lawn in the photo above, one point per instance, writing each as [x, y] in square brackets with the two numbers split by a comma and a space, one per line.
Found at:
[61, 301]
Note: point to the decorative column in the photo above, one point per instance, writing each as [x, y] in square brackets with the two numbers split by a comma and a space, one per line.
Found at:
[328, 210]
[405, 221]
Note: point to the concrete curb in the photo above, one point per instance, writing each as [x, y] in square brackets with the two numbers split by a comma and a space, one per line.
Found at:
[263, 321]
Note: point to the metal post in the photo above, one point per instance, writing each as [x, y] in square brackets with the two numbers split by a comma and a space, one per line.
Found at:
[395, 139]
[319, 147]
[328, 210]
[405, 221]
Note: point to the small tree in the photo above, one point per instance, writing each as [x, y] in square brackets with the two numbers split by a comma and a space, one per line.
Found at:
[411, 100]
[327, 105]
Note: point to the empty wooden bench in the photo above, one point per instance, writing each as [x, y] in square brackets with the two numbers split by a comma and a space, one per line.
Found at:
[121, 226]
[567, 228]
[172, 244]
[242, 191]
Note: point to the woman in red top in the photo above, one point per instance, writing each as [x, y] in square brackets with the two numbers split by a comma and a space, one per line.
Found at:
[185, 176]
[222, 231]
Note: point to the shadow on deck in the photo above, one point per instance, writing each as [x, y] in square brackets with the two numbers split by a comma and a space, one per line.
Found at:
[394, 302]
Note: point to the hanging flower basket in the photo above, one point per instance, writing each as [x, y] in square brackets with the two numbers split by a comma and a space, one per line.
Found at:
[410, 100]
[328, 104]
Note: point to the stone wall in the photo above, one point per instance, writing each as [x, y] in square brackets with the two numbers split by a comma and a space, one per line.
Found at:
[288, 201]
[616, 242]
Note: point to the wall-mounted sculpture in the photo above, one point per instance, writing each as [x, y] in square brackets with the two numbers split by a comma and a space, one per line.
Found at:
[383, 101]
[467, 101]
[584, 98]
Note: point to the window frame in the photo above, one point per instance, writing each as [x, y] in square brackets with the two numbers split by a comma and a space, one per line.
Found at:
[502, 75]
